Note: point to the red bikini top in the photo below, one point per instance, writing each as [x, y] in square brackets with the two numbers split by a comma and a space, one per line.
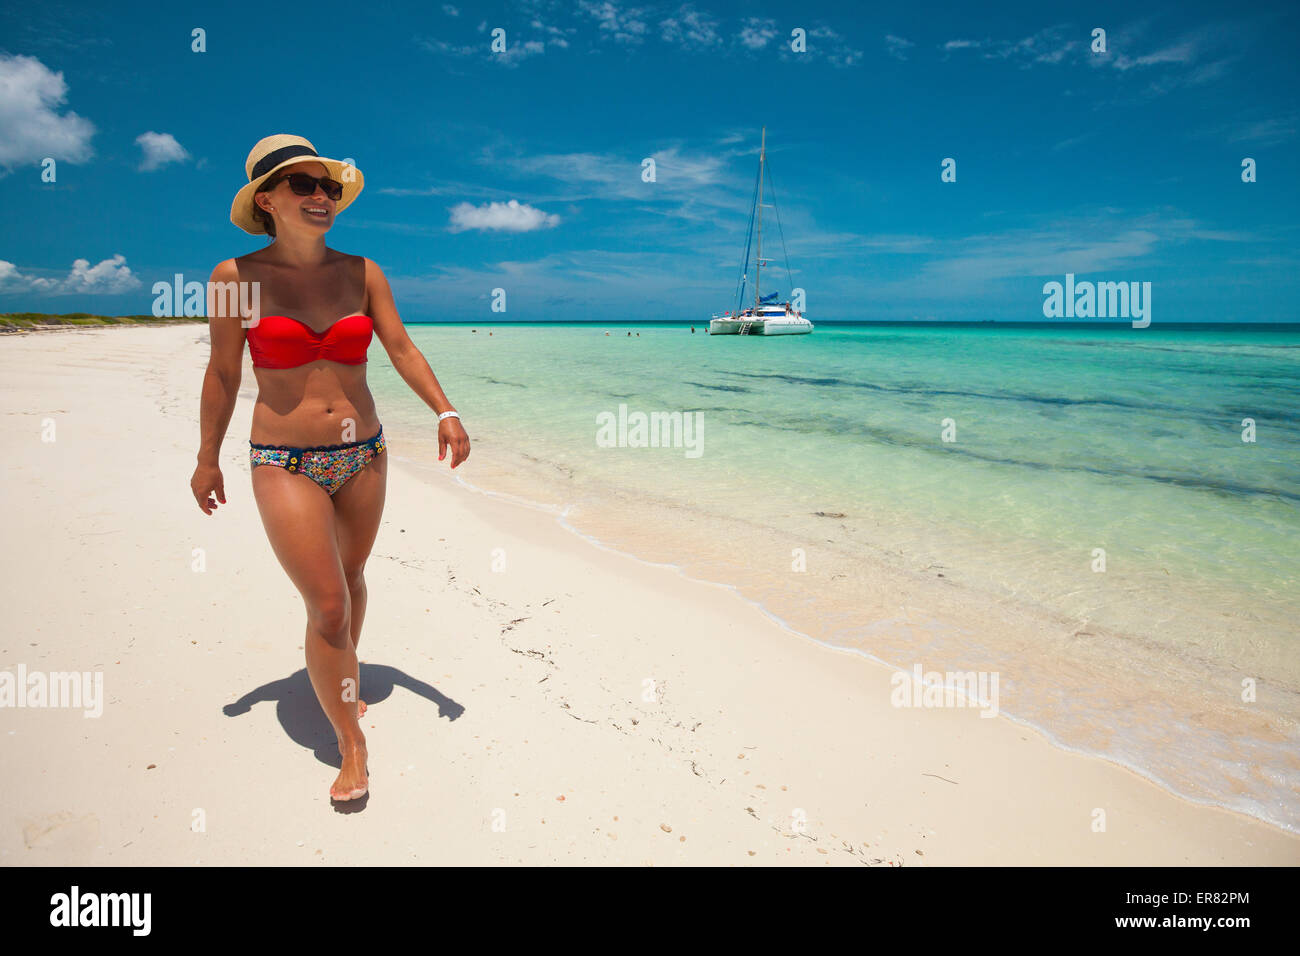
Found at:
[278, 341]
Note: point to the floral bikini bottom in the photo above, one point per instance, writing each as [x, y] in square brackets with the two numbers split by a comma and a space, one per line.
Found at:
[330, 466]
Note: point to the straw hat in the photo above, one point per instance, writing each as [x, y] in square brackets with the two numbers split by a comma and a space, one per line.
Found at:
[276, 152]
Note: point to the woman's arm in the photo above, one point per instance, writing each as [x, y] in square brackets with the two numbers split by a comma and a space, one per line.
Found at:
[411, 363]
[219, 394]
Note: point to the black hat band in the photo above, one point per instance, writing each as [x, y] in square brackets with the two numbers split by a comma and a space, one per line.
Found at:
[277, 156]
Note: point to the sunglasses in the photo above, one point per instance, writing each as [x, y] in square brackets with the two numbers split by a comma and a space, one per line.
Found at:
[304, 185]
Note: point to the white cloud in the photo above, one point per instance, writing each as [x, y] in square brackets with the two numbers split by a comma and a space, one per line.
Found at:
[512, 216]
[690, 28]
[1050, 252]
[11, 280]
[757, 32]
[612, 176]
[1268, 132]
[1049, 45]
[686, 28]
[1083, 245]
[1062, 43]
[829, 44]
[517, 52]
[623, 25]
[159, 150]
[897, 46]
[442, 46]
[31, 127]
[109, 277]
[556, 36]
[1183, 52]
[1184, 62]
[590, 278]
[612, 170]
[518, 48]
[451, 11]
[698, 185]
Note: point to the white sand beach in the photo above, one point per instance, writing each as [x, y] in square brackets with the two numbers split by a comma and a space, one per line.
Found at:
[578, 706]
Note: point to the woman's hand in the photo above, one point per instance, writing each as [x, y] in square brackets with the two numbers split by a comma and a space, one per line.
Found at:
[207, 479]
[451, 433]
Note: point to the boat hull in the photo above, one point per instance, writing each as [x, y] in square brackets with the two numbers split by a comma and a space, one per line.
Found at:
[785, 325]
[774, 323]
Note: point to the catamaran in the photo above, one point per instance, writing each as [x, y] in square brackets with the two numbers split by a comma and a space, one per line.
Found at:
[765, 316]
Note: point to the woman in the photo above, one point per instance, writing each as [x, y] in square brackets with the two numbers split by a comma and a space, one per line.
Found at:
[322, 497]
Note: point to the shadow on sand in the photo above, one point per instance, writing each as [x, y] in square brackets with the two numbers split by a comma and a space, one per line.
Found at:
[300, 714]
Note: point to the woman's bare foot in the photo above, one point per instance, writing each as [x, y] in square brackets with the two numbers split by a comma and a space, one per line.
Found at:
[353, 780]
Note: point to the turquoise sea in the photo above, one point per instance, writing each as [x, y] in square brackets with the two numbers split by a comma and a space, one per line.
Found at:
[1075, 509]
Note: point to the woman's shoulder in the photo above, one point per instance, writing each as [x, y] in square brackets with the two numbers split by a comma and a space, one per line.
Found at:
[356, 261]
[249, 263]
[334, 259]
[368, 269]
[257, 255]
[227, 270]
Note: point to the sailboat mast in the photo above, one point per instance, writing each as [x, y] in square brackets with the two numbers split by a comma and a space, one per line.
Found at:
[758, 271]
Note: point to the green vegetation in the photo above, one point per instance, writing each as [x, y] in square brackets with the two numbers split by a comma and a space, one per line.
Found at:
[33, 320]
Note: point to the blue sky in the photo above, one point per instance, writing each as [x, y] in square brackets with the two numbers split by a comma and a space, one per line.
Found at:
[1117, 166]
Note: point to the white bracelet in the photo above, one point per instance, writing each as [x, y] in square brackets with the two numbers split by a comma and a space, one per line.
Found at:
[448, 415]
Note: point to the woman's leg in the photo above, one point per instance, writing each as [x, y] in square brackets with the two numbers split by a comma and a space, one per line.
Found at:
[300, 523]
[358, 508]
